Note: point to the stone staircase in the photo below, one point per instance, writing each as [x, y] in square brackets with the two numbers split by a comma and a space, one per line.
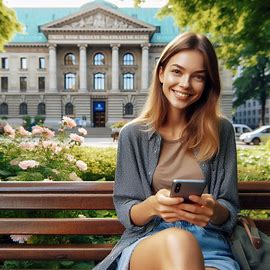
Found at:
[98, 132]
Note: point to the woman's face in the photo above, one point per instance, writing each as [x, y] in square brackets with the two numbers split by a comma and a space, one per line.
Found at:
[183, 78]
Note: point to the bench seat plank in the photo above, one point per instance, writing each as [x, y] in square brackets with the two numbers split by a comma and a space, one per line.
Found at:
[68, 201]
[55, 252]
[65, 226]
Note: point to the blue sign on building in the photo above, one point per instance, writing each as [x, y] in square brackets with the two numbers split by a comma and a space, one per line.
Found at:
[99, 106]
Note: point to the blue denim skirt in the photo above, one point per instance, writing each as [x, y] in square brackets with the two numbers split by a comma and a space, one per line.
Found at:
[214, 245]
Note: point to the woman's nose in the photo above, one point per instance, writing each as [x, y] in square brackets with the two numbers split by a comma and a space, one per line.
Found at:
[184, 81]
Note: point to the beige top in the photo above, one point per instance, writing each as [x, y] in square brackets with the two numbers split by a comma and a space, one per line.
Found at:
[174, 163]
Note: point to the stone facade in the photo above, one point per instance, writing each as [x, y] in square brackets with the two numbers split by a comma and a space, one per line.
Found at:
[96, 64]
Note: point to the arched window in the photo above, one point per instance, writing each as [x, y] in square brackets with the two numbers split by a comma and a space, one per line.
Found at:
[128, 59]
[99, 81]
[70, 59]
[69, 109]
[23, 109]
[3, 109]
[128, 81]
[99, 59]
[41, 110]
[128, 110]
[70, 81]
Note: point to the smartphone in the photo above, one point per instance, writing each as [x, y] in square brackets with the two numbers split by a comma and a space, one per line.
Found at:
[186, 187]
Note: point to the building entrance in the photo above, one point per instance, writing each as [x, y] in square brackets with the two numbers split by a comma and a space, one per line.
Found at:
[99, 111]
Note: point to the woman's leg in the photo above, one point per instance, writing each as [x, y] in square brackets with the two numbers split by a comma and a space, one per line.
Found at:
[172, 248]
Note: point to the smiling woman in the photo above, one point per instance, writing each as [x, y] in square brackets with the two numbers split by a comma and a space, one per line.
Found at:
[179, 135]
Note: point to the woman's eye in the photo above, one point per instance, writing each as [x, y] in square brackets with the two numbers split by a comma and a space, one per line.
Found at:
[199, 78]
[176, 71]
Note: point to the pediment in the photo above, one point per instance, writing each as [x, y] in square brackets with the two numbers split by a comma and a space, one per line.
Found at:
[96, 19]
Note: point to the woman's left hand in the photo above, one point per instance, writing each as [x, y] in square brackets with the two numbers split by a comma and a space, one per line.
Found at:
[201, 211]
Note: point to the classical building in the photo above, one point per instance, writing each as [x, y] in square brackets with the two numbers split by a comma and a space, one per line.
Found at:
[92, 62]
[249, 113]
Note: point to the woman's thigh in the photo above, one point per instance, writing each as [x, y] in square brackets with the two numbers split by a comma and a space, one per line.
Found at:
[167, 249]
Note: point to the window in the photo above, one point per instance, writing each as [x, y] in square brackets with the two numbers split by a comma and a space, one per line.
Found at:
[23, 109]
[99, 59]
[69, 109]
[128, 59]
[23, 84]
[4, 84]
[4, 63]
[99, 81]
[23, 63]
[128, 81]
[41, 84]
[70, 81]
[4, 109]
[157, 28]
[41, 110]
[128, 110]
[70, 59]
[41, 63]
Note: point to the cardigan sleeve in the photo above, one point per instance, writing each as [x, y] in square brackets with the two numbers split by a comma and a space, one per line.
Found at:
[128, 189]
[225, 188]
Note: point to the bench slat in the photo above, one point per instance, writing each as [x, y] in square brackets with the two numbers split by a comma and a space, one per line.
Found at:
[55, 252]
[56, 201]
[65, 226]
[254, 200]
[57, 186]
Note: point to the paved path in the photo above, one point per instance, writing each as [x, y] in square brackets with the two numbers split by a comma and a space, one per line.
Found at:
[108, 142]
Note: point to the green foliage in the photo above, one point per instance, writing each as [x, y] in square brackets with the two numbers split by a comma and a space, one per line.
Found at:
[119, 124]
[27, 120]
[8, 24]
[240, 29]
[100, 162]
[254, 164]
[39, 119]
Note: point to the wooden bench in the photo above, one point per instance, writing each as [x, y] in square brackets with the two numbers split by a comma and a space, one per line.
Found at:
[83, 196]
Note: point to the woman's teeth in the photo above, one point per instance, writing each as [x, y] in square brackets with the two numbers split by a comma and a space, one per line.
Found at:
[180, 94]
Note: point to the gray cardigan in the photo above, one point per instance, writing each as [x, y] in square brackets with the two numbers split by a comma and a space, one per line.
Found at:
[138, 154]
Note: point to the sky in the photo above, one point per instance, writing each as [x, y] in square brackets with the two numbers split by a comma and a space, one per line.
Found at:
[78, 3]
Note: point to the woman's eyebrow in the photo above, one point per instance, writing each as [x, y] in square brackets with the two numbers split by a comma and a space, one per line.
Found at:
[197, 71]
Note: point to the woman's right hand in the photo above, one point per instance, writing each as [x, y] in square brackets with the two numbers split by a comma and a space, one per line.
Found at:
[164, 206]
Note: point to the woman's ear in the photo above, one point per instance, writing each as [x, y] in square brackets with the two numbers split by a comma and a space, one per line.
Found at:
[161, 74]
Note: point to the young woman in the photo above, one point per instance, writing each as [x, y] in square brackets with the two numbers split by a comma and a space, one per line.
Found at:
[179, 135]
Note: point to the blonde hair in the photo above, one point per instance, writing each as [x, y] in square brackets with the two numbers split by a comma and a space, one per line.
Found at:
[202, 117]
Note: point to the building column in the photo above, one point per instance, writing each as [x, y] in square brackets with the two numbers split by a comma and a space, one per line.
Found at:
[115, 67]
[83, 68]
[145, 67]
[52, 69]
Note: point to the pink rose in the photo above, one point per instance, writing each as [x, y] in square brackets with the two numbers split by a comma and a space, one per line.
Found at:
[68, 122]
[27, 145]
[47, 133]
[81, 165]
[37, 130]
[83, 131]
[24, 132]
[20, 238]
[75, 137]
[9, 131]
[24, 165]
[74, 177]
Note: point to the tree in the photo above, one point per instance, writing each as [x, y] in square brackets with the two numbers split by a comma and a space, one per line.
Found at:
[254, 82]
[8, 24]
[240, 30]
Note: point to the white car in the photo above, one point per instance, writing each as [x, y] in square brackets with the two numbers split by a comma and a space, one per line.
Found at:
[239, 129]
[261, 134]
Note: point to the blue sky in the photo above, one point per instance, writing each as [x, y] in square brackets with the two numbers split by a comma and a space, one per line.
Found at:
[77, 3]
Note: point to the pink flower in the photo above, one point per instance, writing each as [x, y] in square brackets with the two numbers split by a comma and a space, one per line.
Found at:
[68, 122]
[24, 132]
[83, 131]
[74, 177]
[28, 164]
[37, 130]
[47, 133]
[20, 238]
[70, 158]
[27, 145]
[81, 165]
[9, 131]
[75, 137]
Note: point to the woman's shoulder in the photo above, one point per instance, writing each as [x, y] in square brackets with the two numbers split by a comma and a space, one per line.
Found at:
[225, 124]
[134, 130]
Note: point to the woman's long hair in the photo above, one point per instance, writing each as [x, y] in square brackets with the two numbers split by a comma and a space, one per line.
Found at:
[202, 117]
